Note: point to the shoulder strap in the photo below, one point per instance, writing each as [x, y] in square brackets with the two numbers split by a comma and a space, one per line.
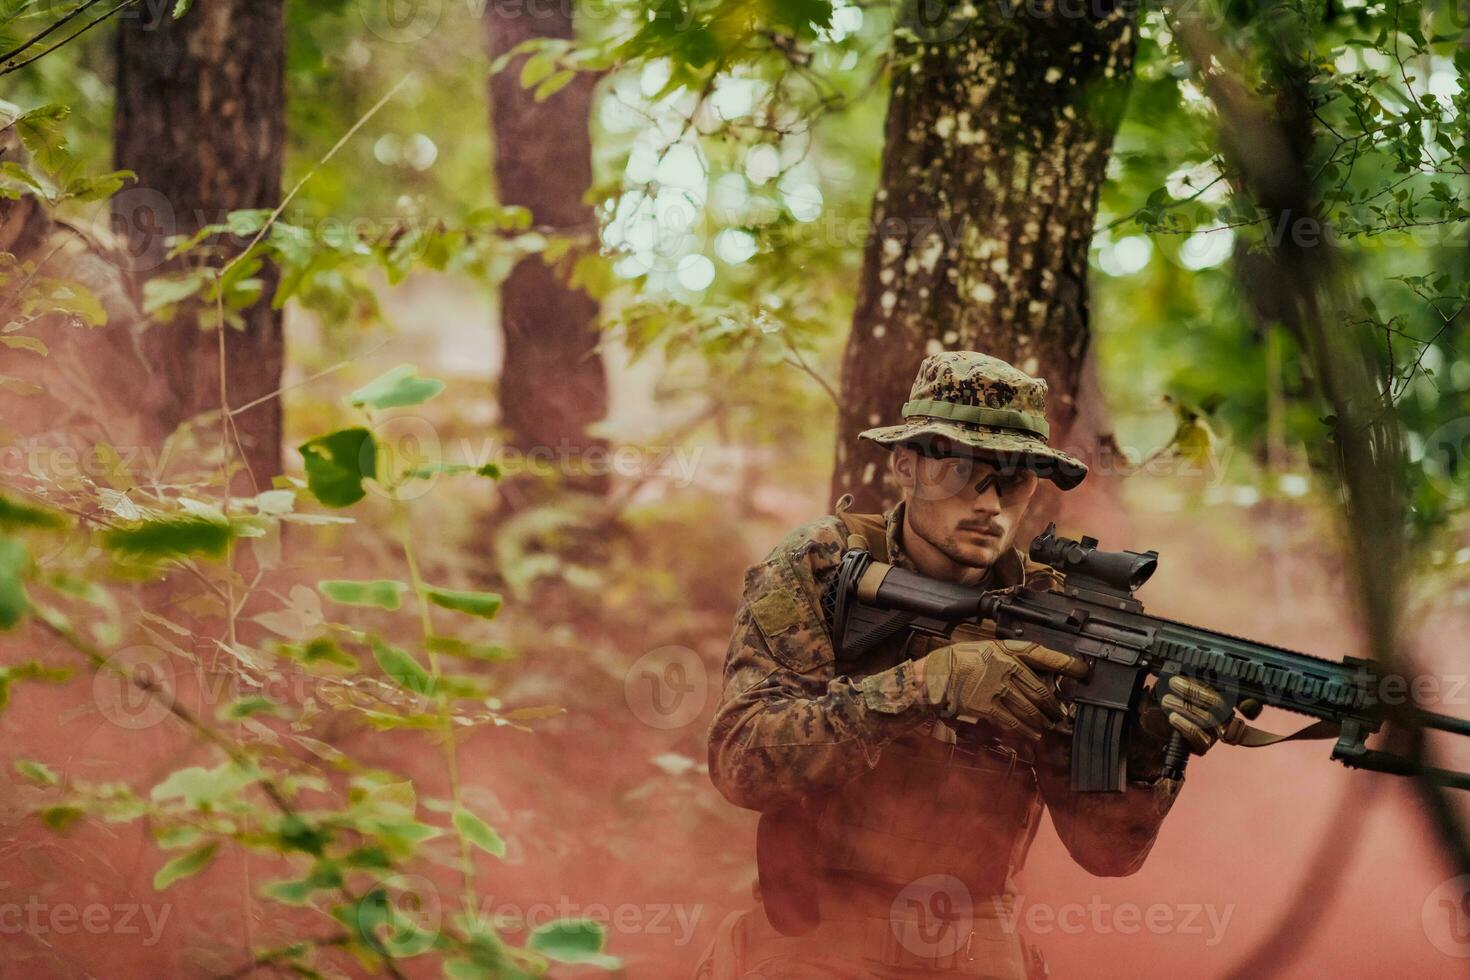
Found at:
[871, 528]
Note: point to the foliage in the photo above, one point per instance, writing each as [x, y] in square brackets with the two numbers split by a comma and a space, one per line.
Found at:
[736, 146]
[1388, 149]
[343, 833]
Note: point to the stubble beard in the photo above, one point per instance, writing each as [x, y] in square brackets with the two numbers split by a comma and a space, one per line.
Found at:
[966, 552]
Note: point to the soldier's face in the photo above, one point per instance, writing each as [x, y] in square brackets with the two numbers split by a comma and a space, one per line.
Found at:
[967, 508]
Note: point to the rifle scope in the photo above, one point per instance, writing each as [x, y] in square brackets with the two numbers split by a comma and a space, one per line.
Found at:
[1122, 571]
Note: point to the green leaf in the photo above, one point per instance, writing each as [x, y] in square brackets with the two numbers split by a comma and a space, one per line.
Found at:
[61, 818]
[295, 892]
[17, 516]
[201, 788]
[478, 833]
[173, 838]
[36, 772]
[14, 559]
[247, 706]
[297, 834]
[20, 174]
[185, 866]
[573, 941]
[400, 665]
[536, 68]
[31, 670]
[162, 292]
[383, 593]
[18, 385]
[321, 650]
[482, 604]
[498, 65]
[181, 7]
[453, 646]
[40, 132]
[171, 537]
[398, 388]
[378, 923]
[98, 188]
[323, 875]
[554, 84]
[32, 344]
[336, 465]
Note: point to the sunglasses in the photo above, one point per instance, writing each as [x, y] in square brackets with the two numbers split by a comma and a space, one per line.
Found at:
[957, 471]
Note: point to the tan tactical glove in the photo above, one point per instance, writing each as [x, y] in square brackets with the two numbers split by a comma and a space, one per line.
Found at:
[1192, 708]
[996, 681]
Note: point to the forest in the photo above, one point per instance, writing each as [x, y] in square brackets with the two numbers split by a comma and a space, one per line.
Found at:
[396, 397]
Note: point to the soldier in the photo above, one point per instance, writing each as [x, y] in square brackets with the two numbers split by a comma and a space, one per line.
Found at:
[890, 832]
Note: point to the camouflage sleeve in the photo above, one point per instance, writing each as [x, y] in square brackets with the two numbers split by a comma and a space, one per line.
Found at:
[788, 726]
[1106, 833]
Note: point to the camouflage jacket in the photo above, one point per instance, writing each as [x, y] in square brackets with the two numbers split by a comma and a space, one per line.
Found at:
[789, 728]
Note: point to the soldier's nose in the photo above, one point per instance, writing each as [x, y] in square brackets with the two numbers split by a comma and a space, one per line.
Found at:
[987, 501]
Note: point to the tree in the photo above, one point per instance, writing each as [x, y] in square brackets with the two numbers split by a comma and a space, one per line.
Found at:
[553, 383]
[999, 129]
[200, 120]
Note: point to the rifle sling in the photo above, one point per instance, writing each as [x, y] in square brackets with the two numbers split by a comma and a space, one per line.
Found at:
[1237, 732]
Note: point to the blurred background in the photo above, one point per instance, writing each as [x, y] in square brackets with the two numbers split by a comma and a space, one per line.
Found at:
[535, 323]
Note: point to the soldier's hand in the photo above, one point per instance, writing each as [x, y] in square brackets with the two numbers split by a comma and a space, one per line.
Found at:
[1192, 708]
[986, 681]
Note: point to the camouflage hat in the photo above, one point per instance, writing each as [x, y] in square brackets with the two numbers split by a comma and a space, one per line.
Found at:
[982, 402]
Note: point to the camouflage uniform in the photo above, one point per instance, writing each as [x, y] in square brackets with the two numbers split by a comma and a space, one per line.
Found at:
[866, 794]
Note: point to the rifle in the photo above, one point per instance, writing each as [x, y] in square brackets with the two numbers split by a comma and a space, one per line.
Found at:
[1097, 617]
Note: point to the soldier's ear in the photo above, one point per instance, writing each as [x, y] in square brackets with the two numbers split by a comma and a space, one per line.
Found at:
[904, 462]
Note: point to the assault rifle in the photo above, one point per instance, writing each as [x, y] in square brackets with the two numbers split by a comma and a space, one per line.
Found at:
[1096, 617]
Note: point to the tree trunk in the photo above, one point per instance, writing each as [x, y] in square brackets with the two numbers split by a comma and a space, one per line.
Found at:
[553, 383]
[200, 119]
[999, 129]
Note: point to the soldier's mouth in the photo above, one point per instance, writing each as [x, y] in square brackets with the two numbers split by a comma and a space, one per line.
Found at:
[981, 530]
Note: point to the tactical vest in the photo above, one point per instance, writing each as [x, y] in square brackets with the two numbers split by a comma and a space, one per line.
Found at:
[932, 805]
